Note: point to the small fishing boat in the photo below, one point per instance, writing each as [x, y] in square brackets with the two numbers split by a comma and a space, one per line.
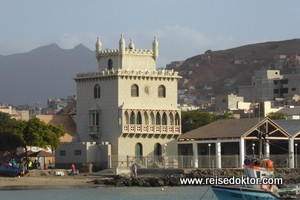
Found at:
[6, 170]
[256, 171]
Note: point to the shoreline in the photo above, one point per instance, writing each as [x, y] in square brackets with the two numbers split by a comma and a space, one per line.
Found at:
[45, 179]
[46, 182]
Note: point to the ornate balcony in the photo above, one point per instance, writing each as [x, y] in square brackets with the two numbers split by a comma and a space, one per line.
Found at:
[94, 131]
[138, 128]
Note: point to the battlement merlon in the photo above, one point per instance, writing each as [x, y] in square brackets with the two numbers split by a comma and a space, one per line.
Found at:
[131, 48]
[126, 57]
[109, 73]
[109, 52]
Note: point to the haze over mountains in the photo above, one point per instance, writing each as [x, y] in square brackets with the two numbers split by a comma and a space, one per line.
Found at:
[45, 72]
[48, 71]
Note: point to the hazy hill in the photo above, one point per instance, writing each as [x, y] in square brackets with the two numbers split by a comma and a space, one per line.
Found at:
[217, 69]
[45, 72]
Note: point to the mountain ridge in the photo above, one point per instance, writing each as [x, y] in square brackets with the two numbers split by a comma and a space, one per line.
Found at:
[48, 71]
[42, 73]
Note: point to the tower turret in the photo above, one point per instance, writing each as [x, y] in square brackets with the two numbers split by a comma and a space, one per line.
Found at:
[122, 45]
[155, 48]
[131, 45]
[98, 47]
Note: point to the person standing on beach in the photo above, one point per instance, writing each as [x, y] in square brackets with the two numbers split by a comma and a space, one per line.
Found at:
[134, 170]
[73, 169]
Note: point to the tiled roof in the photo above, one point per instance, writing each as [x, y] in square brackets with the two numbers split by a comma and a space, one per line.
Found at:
[227, 128]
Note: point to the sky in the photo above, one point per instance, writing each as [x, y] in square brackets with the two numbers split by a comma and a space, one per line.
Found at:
[183, 28]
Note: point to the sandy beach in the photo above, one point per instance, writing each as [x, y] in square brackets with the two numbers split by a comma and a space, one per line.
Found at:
[43, 179]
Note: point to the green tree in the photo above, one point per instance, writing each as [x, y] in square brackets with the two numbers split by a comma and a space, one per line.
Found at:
[17, 133]
[195, 119]
[9, 137]
[39, 134]
[4, 118]
[276, 115]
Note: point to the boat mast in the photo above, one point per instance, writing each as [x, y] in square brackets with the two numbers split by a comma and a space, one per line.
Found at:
[260, 145]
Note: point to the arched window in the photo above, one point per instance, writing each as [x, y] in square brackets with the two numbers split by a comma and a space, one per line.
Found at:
[161, 91]
[97, 91]
[134, 90]
[158, 119]
[132, 118]
[157, 149]
[138, 118]
[138, 150]
[164, 119]
[110, 64]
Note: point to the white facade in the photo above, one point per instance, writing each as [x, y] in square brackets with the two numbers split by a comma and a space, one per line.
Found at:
[128, 103]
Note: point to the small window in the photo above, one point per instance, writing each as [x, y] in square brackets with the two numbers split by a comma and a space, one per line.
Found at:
[285, 90]
[161, 91]
[62, 153]
[77, 152]
[94, 121]
[138, 150]
[134, 90]
[97, 91]
[284, 81]
[110, 64]
[157, 149]
[293, 89]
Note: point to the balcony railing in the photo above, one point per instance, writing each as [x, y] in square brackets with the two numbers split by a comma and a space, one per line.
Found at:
[94, 129]
[139, 128]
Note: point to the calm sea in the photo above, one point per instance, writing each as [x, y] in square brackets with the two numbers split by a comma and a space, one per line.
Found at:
[123, 193]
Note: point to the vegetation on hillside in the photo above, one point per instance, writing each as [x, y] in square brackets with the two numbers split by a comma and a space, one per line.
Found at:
[276, 115]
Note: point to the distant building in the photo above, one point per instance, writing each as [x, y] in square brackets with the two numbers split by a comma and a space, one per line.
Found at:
[269, 85]
[224, 103]
[59, 103]
[19, 114]
[290, 112]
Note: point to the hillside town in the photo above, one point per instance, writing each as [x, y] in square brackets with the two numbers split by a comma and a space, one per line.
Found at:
[129, 112]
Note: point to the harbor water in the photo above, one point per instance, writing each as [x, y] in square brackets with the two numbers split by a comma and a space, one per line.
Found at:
[106, 193]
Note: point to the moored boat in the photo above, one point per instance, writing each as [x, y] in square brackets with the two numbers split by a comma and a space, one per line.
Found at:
[9, 171]
[257, 170]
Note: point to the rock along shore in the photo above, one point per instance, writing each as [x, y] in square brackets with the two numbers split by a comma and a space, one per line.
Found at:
[289, 176]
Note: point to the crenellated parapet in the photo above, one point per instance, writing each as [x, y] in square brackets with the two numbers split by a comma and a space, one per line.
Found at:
[126, 73]
[127, 57]
[106, 52]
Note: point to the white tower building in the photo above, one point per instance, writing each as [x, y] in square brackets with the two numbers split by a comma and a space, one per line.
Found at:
[127, 111]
